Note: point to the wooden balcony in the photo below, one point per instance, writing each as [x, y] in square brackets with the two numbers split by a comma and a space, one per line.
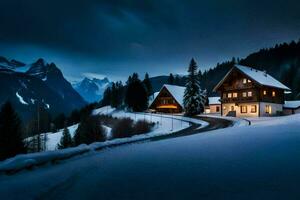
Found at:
[238, 87]
[239, 100]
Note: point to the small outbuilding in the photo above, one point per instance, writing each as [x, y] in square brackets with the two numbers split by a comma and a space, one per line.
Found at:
[214, 105]
[291, 107]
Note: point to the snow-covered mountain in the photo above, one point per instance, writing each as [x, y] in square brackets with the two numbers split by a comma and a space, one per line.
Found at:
[40, 84]
[92, 89]
[14, 65]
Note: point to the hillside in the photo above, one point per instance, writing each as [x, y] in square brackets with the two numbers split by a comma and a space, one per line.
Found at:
[41, 84]
[281, 61]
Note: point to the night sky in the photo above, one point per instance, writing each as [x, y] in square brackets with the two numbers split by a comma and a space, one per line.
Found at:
[117, 37]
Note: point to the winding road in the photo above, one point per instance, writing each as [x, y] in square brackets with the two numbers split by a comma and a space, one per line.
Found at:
[239, 162]
[128, 172]
[213, 124]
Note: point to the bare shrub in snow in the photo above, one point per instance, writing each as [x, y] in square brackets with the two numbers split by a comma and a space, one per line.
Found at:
[123, 128]
[142, 126]
[89, 131]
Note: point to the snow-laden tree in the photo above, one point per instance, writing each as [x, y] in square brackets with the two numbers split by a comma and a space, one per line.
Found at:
[194, 97]
[65, 140]
[11, 142]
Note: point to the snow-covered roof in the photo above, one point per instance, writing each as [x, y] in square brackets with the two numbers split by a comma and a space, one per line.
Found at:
[176, 91]
[260, 77]
[214, 100]
[152, 97]
[291, 104]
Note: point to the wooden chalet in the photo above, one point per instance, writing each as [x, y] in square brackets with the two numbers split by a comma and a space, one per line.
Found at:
[247, 92]
[168, 100]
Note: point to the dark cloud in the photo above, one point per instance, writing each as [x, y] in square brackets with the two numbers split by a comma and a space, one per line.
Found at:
[149, 32]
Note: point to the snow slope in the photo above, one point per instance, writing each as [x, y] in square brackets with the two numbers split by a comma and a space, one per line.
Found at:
[164, 125]
[54, 138]
[251, 162]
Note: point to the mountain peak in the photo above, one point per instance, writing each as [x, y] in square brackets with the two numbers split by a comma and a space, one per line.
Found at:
[40, 61]
[91, 89]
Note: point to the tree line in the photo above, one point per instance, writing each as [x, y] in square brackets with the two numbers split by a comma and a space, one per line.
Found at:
[17, 137]
[134, 95]
[281, 61]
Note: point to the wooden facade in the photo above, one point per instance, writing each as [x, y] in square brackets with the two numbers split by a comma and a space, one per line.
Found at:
[166, 103]
[241, 95]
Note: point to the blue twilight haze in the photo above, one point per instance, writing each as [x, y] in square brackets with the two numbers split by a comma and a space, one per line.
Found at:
[117, 37]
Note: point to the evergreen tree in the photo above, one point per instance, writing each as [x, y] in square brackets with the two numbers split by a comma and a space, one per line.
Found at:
[136, 97]
[106, 100]
[171, 79]
[11, 142]
[40, 123]
[89, 131]
[60, 121]
[117, 94]
[74, 117]
[114, 96]
[148, 85]
[178, 81]
[194, 97]
[44, 120]
[66, 139]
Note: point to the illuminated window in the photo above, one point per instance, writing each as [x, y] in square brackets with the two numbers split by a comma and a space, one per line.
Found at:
[268, 109]
[253, 109]
[244, 80]
[265, 92]
[235, 95]
[244, 94]
[273, 94]
[249, 94]
[243, 109]
[229, 95]
[249, 81]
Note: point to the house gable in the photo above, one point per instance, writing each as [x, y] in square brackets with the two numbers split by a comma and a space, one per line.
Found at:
[172, 101]
[258, 77]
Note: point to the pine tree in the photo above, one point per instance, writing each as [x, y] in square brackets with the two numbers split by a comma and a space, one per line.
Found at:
[136, 97]
[89, 131]
[60, 121]
[11, 142]
[117, 94]
[194, 97]
[74, 117]
[114, 96]
[148, 85]
[171, 79]
[66, 139]
[178, 80]
[106, 100]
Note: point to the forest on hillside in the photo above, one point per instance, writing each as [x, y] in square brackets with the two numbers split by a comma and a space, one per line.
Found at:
[281, 61]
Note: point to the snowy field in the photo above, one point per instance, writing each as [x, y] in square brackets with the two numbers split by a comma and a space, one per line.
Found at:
[250, 162]
[164, 125]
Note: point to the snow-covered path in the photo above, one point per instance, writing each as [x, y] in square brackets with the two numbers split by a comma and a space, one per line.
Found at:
[251, 162]
[165, 124]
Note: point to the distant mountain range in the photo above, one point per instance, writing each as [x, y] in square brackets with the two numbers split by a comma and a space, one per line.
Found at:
[92, 89]
[28, 85]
